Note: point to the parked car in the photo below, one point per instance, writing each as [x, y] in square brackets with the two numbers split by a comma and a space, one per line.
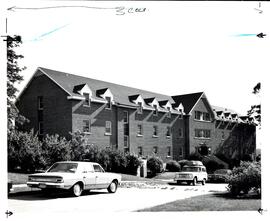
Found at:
[75, 176]
[219, 176]
[193, 173]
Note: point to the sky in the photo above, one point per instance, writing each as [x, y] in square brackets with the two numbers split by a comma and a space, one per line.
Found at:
[172, 48]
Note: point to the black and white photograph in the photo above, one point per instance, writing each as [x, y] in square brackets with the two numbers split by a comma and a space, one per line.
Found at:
[134, 109]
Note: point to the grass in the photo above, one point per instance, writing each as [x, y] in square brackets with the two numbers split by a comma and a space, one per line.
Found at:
[211, 202]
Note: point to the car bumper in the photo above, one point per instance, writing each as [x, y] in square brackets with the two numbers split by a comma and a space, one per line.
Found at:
[48, 185]
[183, 179]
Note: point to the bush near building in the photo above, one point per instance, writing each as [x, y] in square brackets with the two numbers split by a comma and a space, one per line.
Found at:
[154, 165]
[245, 177]
[27, 153]
[172, 166]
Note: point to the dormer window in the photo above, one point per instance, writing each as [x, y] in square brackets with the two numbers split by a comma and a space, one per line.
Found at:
[169, 112]
[156, 110]
[109, 103]
[140, 108]
[87, 99]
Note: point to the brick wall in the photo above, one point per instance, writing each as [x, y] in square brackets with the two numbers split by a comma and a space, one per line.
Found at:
[98, 115]
[196, 124]
[56, 111]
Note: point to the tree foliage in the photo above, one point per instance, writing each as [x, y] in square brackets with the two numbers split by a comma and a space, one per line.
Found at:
[13, 78]
[255, 111]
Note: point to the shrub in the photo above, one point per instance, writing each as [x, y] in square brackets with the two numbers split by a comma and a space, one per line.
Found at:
[155, 165]
[55, 148]
[172, 166]
[195, 156]
[24, 151]
[78, 146]
[245, 177]
[132, 164]
[212, 165]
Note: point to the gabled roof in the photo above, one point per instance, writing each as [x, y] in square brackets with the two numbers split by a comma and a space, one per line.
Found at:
[101, 91]
[122, 94]
[188, 100]
[77, 88]
[149, 100]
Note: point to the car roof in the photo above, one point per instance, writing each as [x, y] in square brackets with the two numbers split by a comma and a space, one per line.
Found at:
[79, 162]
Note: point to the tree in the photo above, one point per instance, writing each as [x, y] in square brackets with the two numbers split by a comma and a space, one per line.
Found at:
[255, 111]
[13, 77]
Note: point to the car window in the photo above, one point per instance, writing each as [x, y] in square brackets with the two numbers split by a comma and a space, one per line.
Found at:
[190, 169]
[203, 169]
[63, 167]
[98, 168]
[87, 168]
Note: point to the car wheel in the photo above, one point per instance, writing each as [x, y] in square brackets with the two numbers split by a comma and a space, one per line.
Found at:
[113, 187]
[203, 182]
[77, 190]
[194, 182]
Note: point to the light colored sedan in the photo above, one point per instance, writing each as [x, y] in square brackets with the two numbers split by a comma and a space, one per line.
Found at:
[75, 176]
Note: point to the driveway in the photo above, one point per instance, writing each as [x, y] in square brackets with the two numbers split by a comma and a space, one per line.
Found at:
[126, 199]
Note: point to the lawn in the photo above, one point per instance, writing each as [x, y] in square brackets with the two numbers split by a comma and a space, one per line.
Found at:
[211, 202]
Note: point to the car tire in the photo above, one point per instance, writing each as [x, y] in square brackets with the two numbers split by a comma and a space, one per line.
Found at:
[77, 190]
[203, 182]
[194, 182]
[113, 187]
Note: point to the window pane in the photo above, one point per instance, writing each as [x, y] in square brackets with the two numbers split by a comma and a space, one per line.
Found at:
[168, 131]
[168, 151]
[40, 102]
[108, 127]
[87, 100]
[109, 103]
[86, 126]
[140, 107]
[139, 129]
[155, 150]
[125, 117]
[155, 133]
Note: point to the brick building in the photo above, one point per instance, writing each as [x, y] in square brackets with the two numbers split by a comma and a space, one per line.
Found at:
[129, 119]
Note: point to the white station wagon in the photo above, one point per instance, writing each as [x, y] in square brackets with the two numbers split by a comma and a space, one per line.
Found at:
[75, 176]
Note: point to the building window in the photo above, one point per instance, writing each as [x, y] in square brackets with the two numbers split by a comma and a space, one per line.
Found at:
[168, 133]
[40, 128]
[140, 151]
[203, 116]
[87, 99]
[140, 108]
[201, 133]
[155, 132]
[125, 117]
[40, 103]
[140, 130]
[206, 116]
[169, 112]
[198, 115]
[180, 132]
[86, 126]
[180, 150]
[156, 110]
[108, 128]
[126, 141]
[169, 151]
[155, 150]
[109, 103]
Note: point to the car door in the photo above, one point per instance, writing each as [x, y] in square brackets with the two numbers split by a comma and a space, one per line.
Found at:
[89, 176]
[101, 178]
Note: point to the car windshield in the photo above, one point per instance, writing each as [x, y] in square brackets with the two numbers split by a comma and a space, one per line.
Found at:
[64, 167]
[190, 169]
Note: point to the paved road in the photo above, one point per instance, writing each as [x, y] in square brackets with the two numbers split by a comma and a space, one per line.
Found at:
[124, 200]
